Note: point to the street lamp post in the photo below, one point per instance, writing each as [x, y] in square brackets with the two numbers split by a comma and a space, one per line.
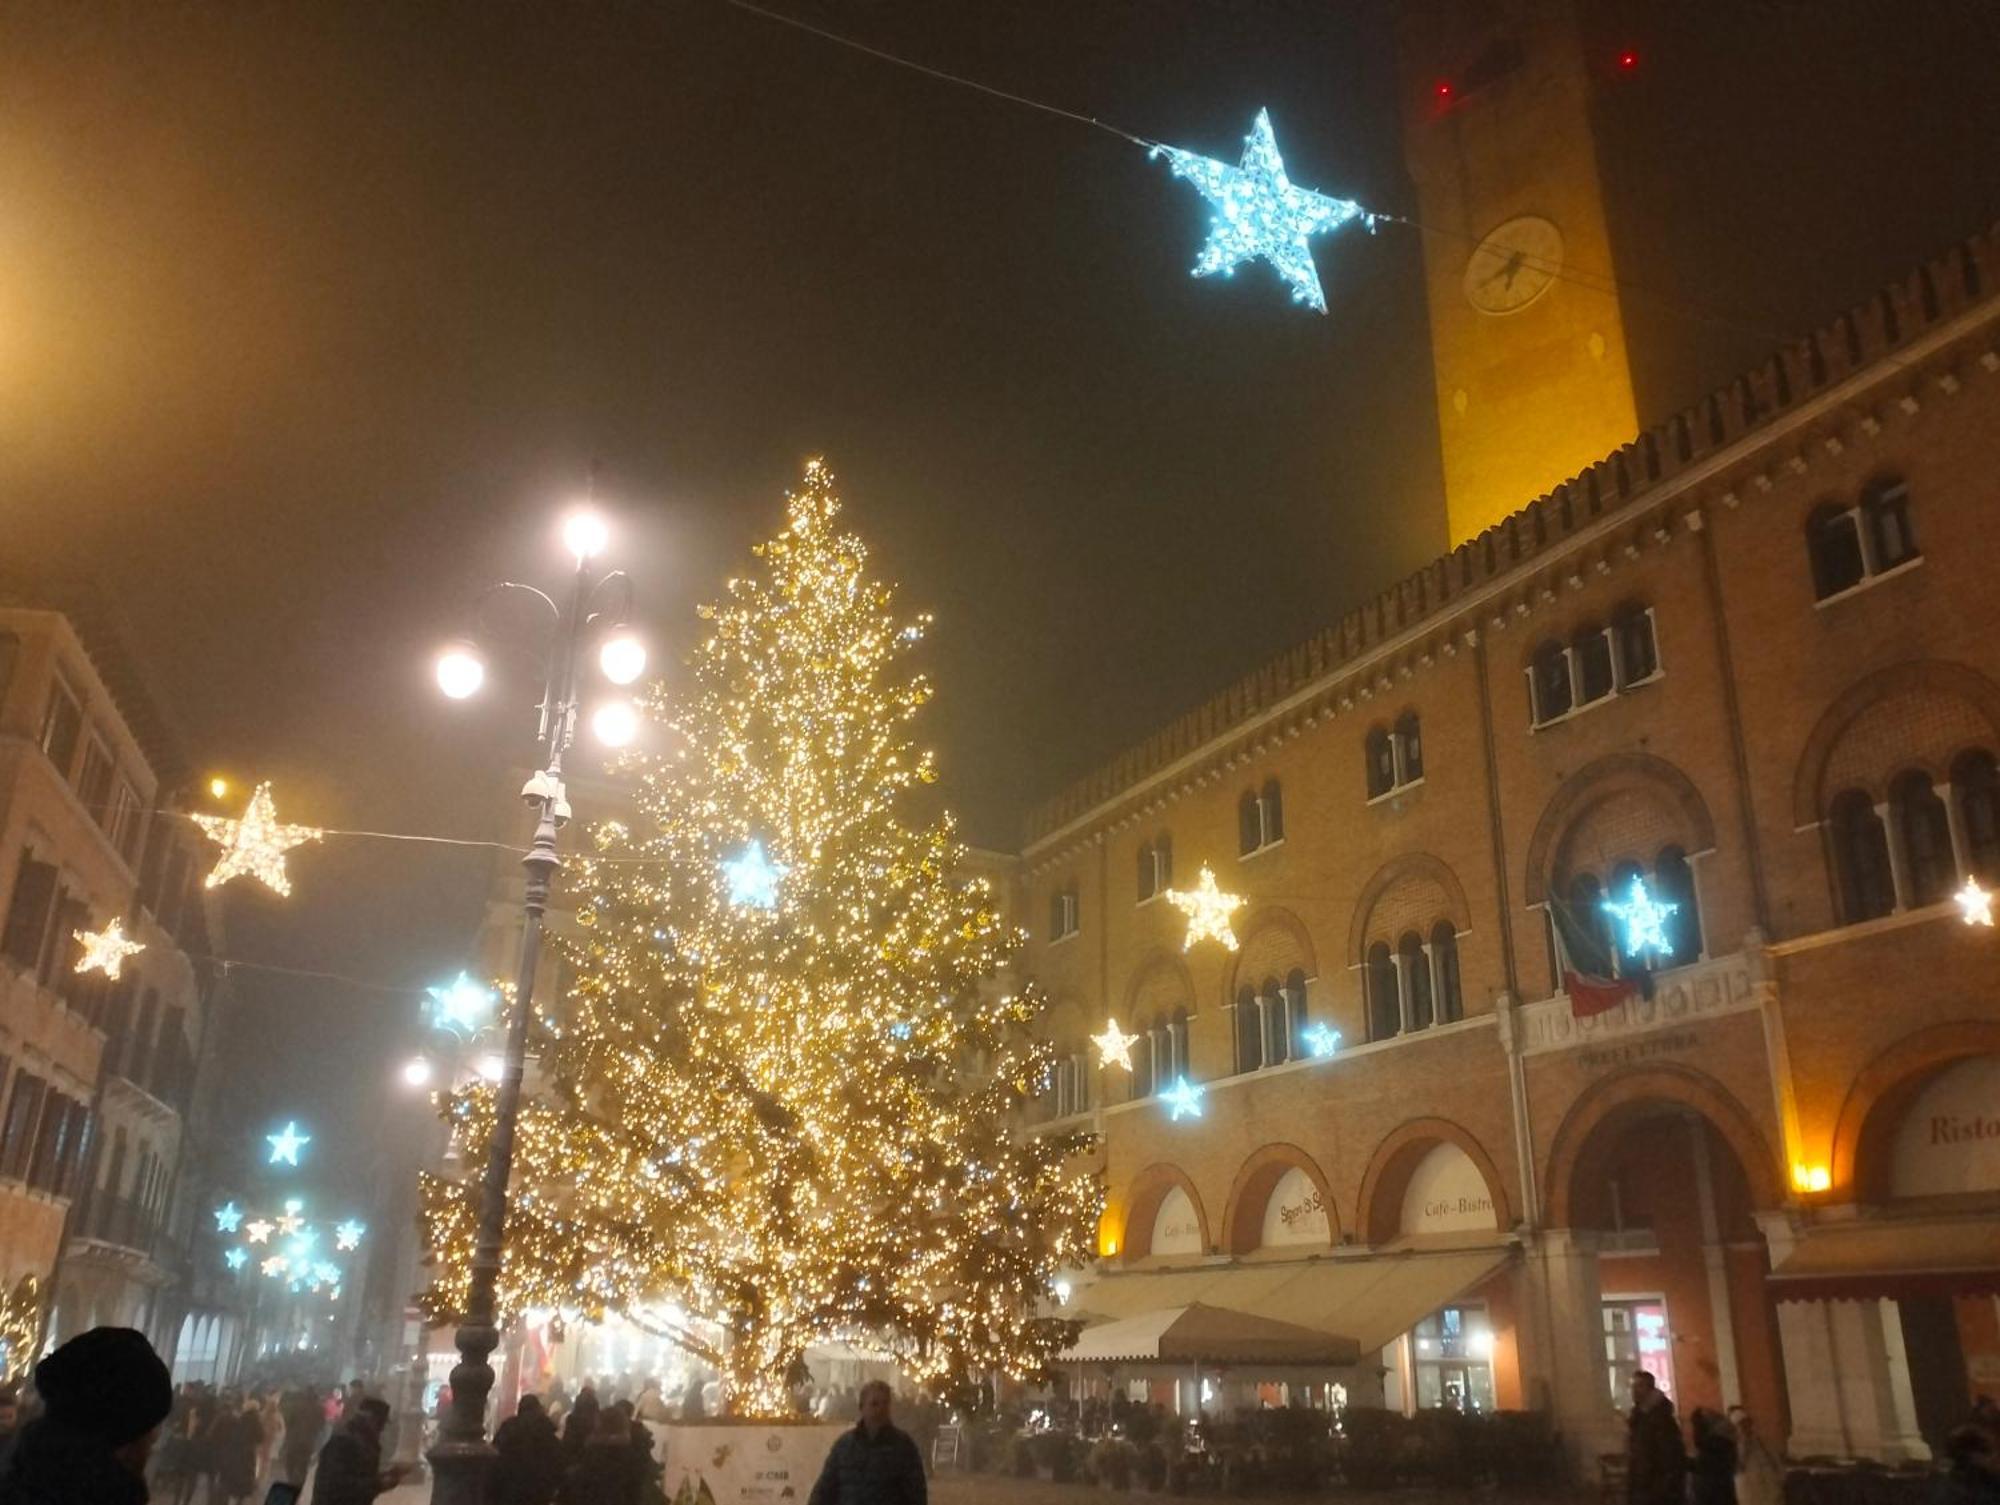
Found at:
[462, 1457]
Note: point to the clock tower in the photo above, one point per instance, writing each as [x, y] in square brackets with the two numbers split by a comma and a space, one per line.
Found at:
[1527, 340]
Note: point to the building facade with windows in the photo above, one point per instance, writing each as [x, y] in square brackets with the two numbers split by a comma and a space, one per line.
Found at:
[1454, 1096]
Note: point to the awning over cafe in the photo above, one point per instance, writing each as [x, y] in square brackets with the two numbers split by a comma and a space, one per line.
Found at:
[1368, 1299]
[1209, 1335]
[1874, 1257]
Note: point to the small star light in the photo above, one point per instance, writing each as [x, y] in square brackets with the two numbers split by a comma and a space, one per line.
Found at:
[228, 1218]
[236, 1258]
[1183, 1099]
[106, 950]
[1975, 904]
[326, 1274]
[286, 1144]
[255, 846]
[348, 1236]
[258, 1231]
[275, 1266]
[1322, 1041]
[1644, 918]
[290, 1224]
[1207, 909]
[753, 878]
[1114, 1046]
[462, 1006]
[1260, 212]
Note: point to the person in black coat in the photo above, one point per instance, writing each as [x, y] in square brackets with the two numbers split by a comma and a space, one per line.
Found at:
[1714, 1459]
[530, 1467]
[580, 1423]
[875, 1464]
[104, 1394]
[1655, 1458]
[608, 1471]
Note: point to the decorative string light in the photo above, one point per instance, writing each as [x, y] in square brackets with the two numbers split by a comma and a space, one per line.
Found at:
[1259, 212]
[237, 1257]
[106, 950]
[1114, 1046]
[1183, 1099]
[259, 1231]
[1644, 918]
[347, 1236]
[228, 1217]
[1322, 1040]
[275, 1266]
[286, 1144]
[1975, 904]
[462, 1007]
[1207, 909]
[735, 1146]
[255, 845]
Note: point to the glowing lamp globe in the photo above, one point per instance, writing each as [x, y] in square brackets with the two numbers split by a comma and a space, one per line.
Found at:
[460, 672]
[584, 534]
[417, 1072]
[615, 723]
[622, 658]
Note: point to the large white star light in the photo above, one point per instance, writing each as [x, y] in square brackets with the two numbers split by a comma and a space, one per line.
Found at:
[1261, 212]
[462, 1007]
[1114, 1046]
[1975, 904]
[1644, 918]
[1183, 1099]
[1207, 909]
[286, 1144]
[753, 878]
[105, 950]
[255, 846]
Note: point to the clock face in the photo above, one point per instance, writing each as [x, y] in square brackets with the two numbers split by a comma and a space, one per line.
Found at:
[1513, 265]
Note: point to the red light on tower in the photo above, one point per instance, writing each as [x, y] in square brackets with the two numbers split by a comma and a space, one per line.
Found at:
[1443, 91]
[1628, 61]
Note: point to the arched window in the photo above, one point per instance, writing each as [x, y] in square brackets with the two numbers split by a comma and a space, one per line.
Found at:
[1177, 1037]
[1273, 806]
[1385, 1007]
[1885, 512]
[1063, 913]
[1861, 858]
[1833, 542]
[1586, 899]
[1163, 863]
[1925, 831]
[1590, 649]
[1277, 1039]
[1444, 966]
[1381, 763]
[1145, 871]
[1144, 1078]
[1975, 784]
[1548, 682]
[1249, 1031]
[1638, 652]
[1409, 748]
[1296, 1020]
[1416, 970]
[1673, 883]
[1249, 823]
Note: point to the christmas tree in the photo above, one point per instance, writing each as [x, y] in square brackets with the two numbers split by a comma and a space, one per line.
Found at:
[780, 1099]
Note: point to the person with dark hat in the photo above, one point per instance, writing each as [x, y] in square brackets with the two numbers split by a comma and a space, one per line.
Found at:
[104, 1394]
[350, 1465]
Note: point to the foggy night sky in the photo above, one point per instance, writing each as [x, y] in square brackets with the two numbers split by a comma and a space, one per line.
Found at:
[312, 315]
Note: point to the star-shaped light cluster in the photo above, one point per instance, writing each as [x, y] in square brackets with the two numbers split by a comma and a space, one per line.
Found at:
[753, 878]
[259, 1230]
[255, 846]
[1114, 1046]
[105, 950]
[1975, 904]
[1207, 909]
[462, 1007]
[1259, 212]
[347, 1235]
[228, 1218]
[1183, 1099]
[237, 1257]
[1644, 919]
[1322, 1040]
[286, 1144]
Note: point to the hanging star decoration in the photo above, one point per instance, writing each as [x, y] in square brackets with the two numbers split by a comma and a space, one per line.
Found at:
[462, 1007]
[258, 1231]
[236, 1258]
[1114, 1046]
[255, 846]
[290, 1224]
[326, 1274]
[286, 1144]
[228, 1217]
[347, 1235]
[1259, 212]
[1322, 1040]
[303, 1238]
[275, 1266]
[753, 878]
[1183, 1099]
[106, 950]
[1644, 918]
[1207, 909]
[1975, 904]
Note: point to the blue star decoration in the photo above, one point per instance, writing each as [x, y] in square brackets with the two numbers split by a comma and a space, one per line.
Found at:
[753, 878]
[461, 1006]
[1644, 918]
[347, 1235]
[1183, 1099]
[286, 1144]
[237, 1258]
[1261, 212]
[228, 1217]
[1322, 1041]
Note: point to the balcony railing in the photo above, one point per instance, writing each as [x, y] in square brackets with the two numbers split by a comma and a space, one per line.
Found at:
[1700, 990]
[122, 1221]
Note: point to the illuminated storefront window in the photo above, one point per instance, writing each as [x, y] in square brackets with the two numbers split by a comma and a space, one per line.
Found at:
[1636, 1337]
[1452, 1358]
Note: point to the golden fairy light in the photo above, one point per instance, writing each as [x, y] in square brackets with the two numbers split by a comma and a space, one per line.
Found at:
[1114, 1046]
[105, 950]
[785, 1109]
[1207, 909]
[255, 846]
